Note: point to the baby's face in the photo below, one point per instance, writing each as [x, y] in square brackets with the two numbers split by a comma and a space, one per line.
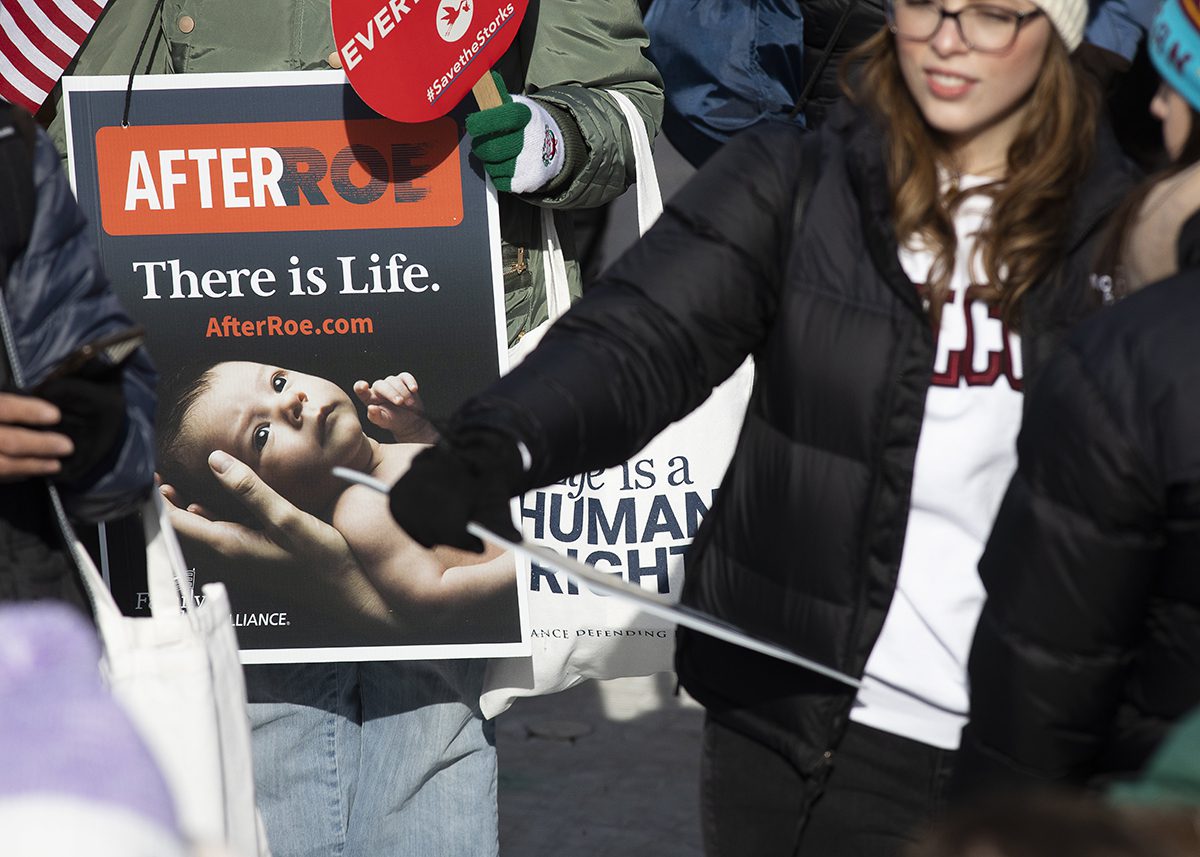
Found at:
[290, 427]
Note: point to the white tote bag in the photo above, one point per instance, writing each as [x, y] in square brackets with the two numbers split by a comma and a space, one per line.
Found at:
[177, 674]
[635, 519]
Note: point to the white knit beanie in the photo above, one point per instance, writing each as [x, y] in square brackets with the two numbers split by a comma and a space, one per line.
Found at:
[1068, 17]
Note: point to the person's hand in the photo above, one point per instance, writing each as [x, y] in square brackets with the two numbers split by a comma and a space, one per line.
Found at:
[26, 448]
[292, 546]
[519, 142]
[91, 406]
[394, 405]
[447, 486]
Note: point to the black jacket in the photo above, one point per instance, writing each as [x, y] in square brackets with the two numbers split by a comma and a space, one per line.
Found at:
[59, 299]
[1089, 645]
[821, 18]
[803, 543]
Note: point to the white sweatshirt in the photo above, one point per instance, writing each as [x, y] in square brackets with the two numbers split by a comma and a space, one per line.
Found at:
[965, 457]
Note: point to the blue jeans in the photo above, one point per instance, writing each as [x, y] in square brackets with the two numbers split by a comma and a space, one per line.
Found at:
[376, 758]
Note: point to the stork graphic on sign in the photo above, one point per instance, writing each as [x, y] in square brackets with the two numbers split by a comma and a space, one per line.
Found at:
[451, 12]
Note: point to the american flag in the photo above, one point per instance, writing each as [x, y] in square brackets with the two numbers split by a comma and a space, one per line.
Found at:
[38, 40]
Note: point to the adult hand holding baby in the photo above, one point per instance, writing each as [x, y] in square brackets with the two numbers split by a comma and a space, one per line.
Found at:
[26, 448]
[292, 546]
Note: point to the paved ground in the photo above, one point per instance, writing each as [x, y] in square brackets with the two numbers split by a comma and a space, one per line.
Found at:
[601, 770]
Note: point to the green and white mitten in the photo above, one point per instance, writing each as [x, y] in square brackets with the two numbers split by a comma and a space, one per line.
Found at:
[519, 143]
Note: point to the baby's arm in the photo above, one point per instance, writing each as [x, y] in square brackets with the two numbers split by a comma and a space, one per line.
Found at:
[393, 404]
[429, 588]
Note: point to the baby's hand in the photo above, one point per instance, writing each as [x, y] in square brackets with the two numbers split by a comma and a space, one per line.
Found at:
[393, 404]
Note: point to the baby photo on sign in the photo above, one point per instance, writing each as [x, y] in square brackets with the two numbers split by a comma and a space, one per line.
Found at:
[291, 429]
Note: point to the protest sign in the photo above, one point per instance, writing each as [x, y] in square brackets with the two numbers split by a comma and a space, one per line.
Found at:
[415, 60]
[280, 241]
[633, 522]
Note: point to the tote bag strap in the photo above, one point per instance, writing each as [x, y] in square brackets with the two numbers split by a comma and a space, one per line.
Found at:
[167, 575]
[649, 197]
[554, 269]
[167, 579]
[649, 205]
[104, 607]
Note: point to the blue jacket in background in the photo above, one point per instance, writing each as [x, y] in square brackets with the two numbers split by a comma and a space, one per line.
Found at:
[1120, 25]
[728, 65]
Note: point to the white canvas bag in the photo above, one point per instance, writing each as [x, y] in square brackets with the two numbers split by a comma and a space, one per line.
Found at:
[636, 519]
[177, 674]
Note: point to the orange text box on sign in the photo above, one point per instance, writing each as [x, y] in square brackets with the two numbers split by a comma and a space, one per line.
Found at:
[278, 177]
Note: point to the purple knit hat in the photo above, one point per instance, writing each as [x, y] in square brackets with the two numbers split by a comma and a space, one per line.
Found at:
[63, 738]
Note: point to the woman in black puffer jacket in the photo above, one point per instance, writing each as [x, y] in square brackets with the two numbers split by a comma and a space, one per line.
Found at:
[941, 254]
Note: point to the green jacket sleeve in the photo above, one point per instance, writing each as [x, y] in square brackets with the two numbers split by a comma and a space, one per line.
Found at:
[571, 52]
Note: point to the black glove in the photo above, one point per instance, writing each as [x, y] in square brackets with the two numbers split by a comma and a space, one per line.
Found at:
[92, 404]
[455, 482]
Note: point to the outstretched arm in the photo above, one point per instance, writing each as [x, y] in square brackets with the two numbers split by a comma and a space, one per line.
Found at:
[670, 320]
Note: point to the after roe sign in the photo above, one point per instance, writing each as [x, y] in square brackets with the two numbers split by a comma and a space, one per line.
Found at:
[273, 233]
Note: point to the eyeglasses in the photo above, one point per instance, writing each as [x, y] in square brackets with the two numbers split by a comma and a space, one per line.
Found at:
[987, 29]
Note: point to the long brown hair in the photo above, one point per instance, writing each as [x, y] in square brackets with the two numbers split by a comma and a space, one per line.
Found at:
[1022, 242]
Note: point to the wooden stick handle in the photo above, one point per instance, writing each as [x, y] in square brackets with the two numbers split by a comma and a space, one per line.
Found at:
[486, 94]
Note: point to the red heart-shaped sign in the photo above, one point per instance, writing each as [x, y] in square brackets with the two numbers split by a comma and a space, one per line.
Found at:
[415, 60]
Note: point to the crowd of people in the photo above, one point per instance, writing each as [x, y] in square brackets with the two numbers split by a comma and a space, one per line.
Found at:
[961, 477]
[968, 474]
